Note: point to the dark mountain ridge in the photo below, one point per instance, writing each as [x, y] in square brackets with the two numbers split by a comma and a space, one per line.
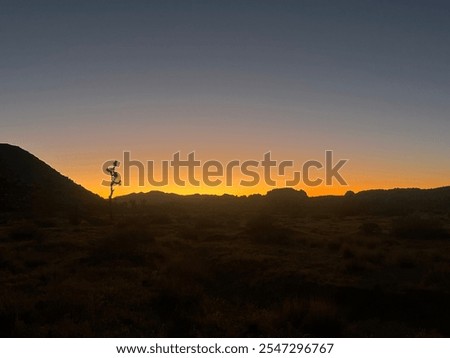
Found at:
[30, 186]
[368, 202]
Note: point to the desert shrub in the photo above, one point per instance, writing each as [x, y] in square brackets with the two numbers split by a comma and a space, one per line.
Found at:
[355, 265]
[46, 222]
[404, 260]
[260, 223]
[158, 218]
[316, 316]
[189, 233]
[374, 256]
[25, 231]
[264, 229]
[358, 258]
[3, 219]
[334, 244]
[7, 316]
[74, 219]
[9, 261]
[4, 262]
[418, 227]
[96, 221]
[348, 252]
[127, 243]
[178, 294]
[177, 305]
[316, 217]
[370, 228]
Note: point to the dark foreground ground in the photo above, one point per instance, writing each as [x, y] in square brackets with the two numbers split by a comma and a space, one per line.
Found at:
[204, 273]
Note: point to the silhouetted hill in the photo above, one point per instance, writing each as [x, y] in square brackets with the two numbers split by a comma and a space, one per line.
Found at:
[31, 187]
[370, 202]
[398, 201]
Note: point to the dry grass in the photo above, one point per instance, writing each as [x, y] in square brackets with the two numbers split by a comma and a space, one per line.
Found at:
[184, 275]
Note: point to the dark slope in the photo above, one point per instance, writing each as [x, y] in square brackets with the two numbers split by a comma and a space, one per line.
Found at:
[31, 187]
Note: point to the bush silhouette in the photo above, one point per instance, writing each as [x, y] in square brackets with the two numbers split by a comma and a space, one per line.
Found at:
[418, 227]
[370, 228]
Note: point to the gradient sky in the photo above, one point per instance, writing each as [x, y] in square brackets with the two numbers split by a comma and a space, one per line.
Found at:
[80, 82]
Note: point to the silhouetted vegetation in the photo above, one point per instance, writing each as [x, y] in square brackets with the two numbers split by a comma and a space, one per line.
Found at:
[419, 227]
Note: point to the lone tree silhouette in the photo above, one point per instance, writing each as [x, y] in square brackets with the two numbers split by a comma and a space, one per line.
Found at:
[115, 180]
[115, 177]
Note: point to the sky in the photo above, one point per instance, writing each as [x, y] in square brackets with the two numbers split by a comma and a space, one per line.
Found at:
[83, 81]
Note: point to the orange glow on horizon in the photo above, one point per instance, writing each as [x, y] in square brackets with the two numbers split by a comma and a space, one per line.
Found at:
[94, 185]
[359, 173]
